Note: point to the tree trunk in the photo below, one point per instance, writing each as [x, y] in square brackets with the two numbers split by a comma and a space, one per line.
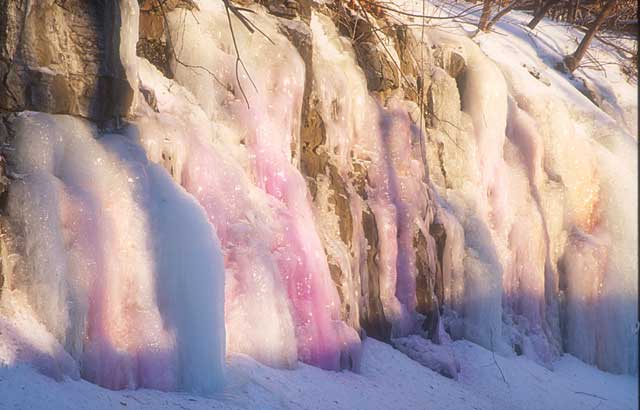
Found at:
[502, 13]
[538, 6]
[573, 61]
[483, 24]
[573, 11]
[540, 13]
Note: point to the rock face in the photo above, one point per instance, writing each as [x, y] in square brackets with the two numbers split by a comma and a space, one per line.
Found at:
[154, 39]
[344, 197]
[68, 56]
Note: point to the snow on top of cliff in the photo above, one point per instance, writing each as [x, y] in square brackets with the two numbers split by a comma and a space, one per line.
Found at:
[533, 56]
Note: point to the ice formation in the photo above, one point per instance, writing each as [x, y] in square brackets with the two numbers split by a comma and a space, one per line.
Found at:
[549, 248]
[105, 257]
[148, 251]
[281, 304]
[381, 138]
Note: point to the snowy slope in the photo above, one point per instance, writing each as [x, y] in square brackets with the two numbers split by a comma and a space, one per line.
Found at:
[514, 46]
[389, 380]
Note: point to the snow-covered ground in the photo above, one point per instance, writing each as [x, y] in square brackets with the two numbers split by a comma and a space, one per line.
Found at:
[388, 380]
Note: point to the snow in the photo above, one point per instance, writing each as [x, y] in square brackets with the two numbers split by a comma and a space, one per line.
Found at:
[437, 357]
[514, 45]
[388, 380]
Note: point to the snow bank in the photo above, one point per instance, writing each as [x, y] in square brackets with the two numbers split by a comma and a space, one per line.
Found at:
[388, 380]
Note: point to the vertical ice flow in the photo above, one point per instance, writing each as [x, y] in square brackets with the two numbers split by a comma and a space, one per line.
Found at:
[123, 306]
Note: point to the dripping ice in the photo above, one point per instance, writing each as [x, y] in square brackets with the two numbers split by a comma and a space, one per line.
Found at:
[152, 250]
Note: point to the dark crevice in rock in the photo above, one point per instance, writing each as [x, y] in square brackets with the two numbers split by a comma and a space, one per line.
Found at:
[443, 169]
[340, 200]
[158, 54]
[378, 67]
[6, 137]
[562, 294]
[153, 43]
[439, 234]
[288, 9]
[460, 83]
[73, 68]
[372, 317]
[424, 286]
[150, 97]
[311, 124]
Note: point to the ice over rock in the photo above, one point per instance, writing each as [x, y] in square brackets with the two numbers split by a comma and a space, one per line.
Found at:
[106, 266]
[281, 304]
[149, 251]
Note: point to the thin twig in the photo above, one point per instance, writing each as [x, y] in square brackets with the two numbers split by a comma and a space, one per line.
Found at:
[446, 133]
[249, 25]
[423, 153]
[465, 12]
[590, 394]
[173, 51]
[239, 61]
[493, 354]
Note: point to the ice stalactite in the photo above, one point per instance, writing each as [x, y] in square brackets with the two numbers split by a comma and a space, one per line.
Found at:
[505, 261]
[180, 137]
[100, 267]
[384, 141]
[584, 173]
[215, 218]
[273, 225]
[550, 228]
[484, 99]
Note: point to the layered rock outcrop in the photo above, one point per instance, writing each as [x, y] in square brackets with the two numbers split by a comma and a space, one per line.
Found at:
[68, 57]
